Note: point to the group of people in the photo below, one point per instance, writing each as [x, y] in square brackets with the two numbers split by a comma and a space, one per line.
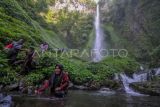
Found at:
[13, 49]
[58, 82]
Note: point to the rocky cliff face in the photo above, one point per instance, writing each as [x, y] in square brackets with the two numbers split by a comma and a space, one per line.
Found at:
[73, 5]
[134, 25]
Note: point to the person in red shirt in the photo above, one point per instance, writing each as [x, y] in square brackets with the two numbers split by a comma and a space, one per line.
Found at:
[43, 88]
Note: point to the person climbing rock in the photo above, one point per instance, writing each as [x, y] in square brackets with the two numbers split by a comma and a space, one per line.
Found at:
[14, 49]
[27, 65]
[58, 83]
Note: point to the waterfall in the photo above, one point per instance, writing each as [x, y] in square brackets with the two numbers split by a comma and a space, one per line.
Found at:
[140, 77]
[98, 44]
[127, 80]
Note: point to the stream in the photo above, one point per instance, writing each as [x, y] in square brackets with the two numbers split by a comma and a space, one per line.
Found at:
[88, 99]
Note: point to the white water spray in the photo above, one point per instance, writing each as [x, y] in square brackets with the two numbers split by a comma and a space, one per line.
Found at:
[126, 81]
[98, 44]
[141, 77]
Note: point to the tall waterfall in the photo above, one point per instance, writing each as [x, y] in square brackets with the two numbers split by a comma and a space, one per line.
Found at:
[98, 44]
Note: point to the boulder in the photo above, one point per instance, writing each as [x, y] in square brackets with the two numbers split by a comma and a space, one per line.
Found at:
[78, 87]
[5, 101]
[112, 84]
[149, 88]
[94, 85]
[11, 87]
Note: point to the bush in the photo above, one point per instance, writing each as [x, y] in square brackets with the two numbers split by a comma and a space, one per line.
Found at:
[77, 70]
[8, 76]
[33, 78]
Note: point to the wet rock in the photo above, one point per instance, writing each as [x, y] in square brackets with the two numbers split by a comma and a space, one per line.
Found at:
[11, 87]
[5, 101]
[151, 88]
[112, 84]
[71, 85]
[77, 87]
[86, 86]
[94, 85]
[121, 90]
[105, 89]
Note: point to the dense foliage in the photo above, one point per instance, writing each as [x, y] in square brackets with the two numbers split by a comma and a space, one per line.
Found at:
[133, 25]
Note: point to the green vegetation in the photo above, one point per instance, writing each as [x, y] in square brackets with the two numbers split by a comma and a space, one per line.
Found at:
[134, 25]
[74, 26]
[34, 21]
[37, 21]
[16, 23]
[80, 71]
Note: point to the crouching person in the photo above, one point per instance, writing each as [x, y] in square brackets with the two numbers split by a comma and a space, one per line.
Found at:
[58, 83]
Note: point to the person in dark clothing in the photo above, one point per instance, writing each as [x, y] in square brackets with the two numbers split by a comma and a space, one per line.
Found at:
[14, 50]
[59, 82]
[27, 66]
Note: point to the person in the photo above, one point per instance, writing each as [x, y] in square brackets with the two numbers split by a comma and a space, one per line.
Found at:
[43, 87]
[14, 49]
[9, 46]
[27, 66]
[44, 47]
[58, 83]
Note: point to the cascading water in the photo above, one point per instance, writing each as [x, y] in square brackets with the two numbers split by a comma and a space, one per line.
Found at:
[142, 77]
[126, 81]
[98, 44]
